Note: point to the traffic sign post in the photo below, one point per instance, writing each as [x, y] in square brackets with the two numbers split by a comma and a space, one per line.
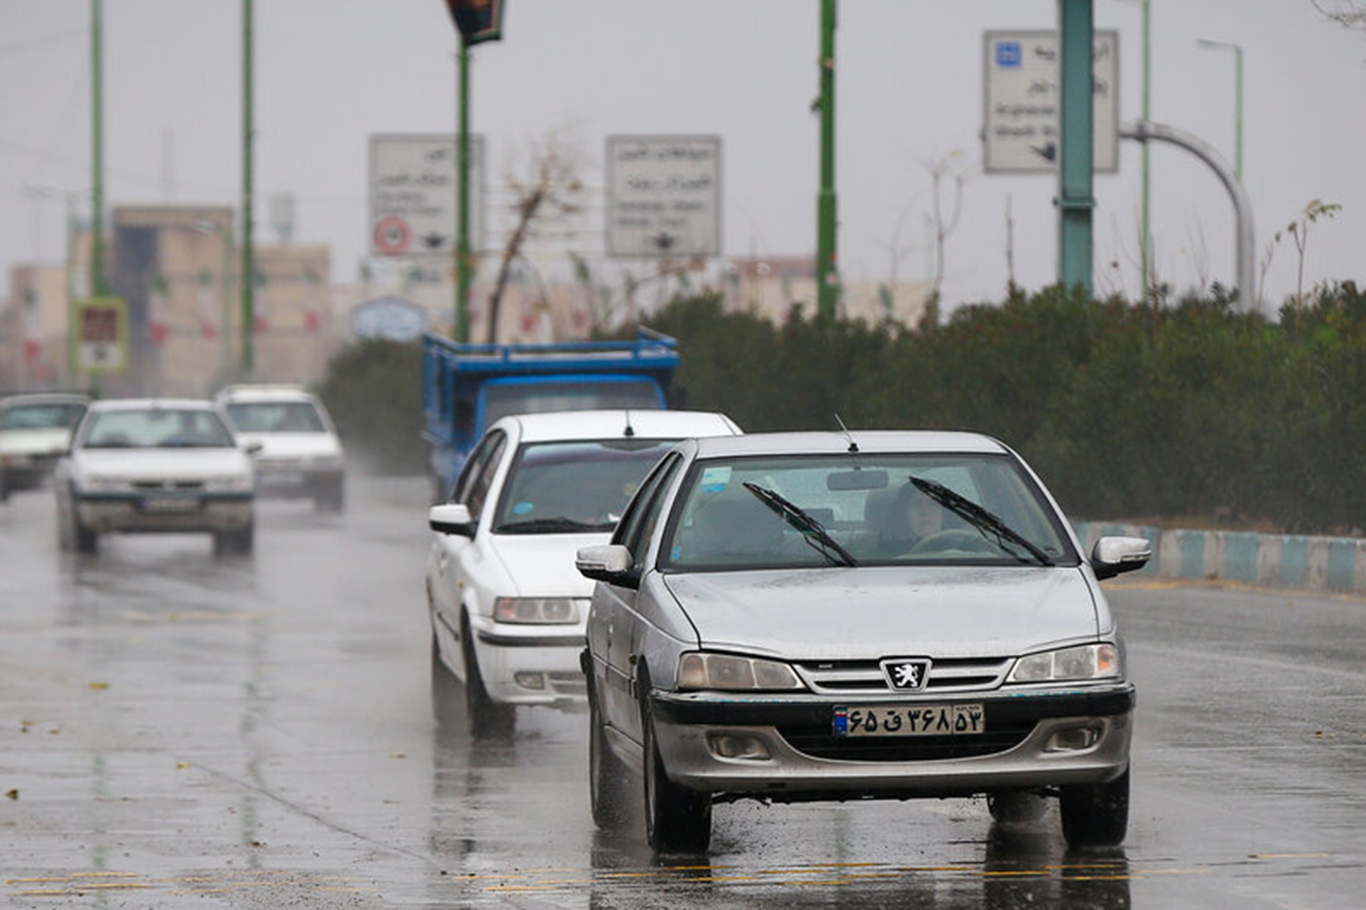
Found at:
[664, 196]
[413, 181]
[101, 335]
[1022, 99]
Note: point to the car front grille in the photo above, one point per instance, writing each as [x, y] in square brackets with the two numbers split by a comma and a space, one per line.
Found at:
[865, 677]
[154, 485]
[820, 742]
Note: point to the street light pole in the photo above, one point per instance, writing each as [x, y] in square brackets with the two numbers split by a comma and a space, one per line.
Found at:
[827, 274]
[1075, 200]
[248, 278]
[97, 284]
[1238, 97]
[464, 272]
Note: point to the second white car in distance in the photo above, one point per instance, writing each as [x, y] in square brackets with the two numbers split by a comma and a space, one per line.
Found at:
[507, 606]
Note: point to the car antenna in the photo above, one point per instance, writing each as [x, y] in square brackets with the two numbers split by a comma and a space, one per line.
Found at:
[853, 446]
[630, 430]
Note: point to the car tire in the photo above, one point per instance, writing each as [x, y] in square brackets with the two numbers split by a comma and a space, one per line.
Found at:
[606, 774]
[84, 540]
[235, 543]
[447, 696]
[1095, 815]
[487, 718]
[4, 489]
[1016, 806]
[677, 820]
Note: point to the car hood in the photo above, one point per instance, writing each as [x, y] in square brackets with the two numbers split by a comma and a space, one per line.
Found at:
[870, 613]
[34, 442]
[160, 464]
[293, 445]
[542, 565]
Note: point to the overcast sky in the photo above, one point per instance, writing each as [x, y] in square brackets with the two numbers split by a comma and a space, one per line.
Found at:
[331, 72]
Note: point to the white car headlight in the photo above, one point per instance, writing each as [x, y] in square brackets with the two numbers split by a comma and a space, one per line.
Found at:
[724, 671]
[237, 483]
[1069, 664]
[560, 611]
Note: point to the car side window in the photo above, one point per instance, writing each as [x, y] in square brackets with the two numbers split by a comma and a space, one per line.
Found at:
[637, 536]
[479, 489]
[474, 467]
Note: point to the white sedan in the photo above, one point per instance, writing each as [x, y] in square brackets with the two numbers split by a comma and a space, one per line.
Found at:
[507, 606]
[35, 430]
[155, 465]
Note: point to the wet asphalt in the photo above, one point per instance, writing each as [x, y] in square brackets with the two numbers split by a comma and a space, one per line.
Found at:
[179, 730]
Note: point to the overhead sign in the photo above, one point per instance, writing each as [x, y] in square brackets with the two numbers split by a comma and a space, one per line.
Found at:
[1021, 98]
[390, 318]
[413, 190]
[101, 335]
[664, 196]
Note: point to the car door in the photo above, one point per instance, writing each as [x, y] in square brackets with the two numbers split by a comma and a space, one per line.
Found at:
[619, 692]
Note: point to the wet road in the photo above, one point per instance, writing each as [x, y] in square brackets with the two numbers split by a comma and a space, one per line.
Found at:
[178, 730]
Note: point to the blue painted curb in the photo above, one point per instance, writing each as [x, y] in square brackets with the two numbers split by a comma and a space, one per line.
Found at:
[1267, 560]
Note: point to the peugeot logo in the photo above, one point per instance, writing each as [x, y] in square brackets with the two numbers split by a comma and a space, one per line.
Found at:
[906, 674]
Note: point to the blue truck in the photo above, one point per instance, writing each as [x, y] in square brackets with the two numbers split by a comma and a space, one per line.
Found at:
[466, 387]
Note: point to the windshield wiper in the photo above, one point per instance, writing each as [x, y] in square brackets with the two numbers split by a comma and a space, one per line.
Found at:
[987, 523]
[557, 525]
[813, 532]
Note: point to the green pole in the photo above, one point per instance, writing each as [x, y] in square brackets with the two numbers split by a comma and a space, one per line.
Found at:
[97, 285]
[827, 275]
[464, 271]
[1145, 242]
[70, 290]
[247, 282]
[1076, 142]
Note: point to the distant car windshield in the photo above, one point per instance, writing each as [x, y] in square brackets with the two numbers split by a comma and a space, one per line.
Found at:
[41, 416]
[276, 417]
[542, 397]
[913, 509]
[566, 487]
[155, 428]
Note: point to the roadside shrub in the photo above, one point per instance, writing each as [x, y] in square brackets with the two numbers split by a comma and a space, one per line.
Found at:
[374, 390]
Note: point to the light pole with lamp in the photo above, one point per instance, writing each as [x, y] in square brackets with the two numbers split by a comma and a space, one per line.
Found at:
[1237, 50]
[1145, 240]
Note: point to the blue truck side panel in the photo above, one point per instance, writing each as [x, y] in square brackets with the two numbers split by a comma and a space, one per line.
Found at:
[456, 378]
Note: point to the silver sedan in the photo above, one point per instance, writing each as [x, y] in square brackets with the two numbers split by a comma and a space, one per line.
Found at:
[815, 616]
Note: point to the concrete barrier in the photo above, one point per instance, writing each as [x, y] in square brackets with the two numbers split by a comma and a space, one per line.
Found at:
[1266, 560]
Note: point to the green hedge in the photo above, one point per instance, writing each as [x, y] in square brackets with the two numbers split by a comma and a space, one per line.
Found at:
[374, 391]
[1192, 410]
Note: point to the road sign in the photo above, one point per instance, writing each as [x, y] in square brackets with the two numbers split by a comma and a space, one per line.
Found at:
[392, 318]
[412, 195]
[1020, 102]
[101, 335]
[664, 196]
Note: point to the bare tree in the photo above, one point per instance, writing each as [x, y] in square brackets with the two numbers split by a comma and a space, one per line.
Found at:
[1348, 13]
[951, 169]
[550, 190]
[1299, 234]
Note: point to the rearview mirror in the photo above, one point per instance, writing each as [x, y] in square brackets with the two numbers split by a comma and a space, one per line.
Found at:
[451, 518]
[611, 563]
[857, 479]
[1114, 555]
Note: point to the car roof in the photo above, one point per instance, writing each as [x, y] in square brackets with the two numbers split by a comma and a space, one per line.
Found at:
[26, 398]
[143, 404]
[868, 441]
[645, 424]
[235, 393]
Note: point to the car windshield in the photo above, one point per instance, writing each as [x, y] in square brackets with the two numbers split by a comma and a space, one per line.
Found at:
[41, 416]
[276, 417]
[864, 510]
[568, 487]
[543, 397]
[155, 428]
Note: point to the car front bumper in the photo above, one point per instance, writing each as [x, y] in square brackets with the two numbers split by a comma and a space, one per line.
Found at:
[190, 513]
[806, 761]
[532, 665]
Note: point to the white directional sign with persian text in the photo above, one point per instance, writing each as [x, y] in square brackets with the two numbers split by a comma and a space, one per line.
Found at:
[1021, 98]
[413, 194]
[664, 196]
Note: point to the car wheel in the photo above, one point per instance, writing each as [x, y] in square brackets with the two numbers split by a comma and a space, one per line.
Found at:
[1016, 806]
[676, 819]
[4, 489]
[488, 719]
[86, 540]
[446, 694]
[606, 789]
[1096, 815]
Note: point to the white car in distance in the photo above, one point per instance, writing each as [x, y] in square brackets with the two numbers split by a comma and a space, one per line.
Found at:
[35, 431]
[301, 456]
[155, 466]
[507, 605]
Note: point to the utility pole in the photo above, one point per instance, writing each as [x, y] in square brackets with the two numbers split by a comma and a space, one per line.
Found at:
[1075, 200]
[1146, 241]
[464, 268]
[1237, 99]
[827, 271]
[98, 288]
[248, 277]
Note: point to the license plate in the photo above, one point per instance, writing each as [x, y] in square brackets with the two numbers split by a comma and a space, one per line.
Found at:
[171, 504]
[911, 720]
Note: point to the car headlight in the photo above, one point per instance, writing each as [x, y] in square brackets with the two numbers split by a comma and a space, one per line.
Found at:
[561, 611]
[724, 671]
[107, 484]
[238, 483]
[1086, 662]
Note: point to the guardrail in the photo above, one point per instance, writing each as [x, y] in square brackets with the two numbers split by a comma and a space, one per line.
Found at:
[1266, 560]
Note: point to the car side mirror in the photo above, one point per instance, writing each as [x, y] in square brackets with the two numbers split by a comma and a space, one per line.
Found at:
[253, 448]
[1112, 556]
[451, 518]
[611, 563]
